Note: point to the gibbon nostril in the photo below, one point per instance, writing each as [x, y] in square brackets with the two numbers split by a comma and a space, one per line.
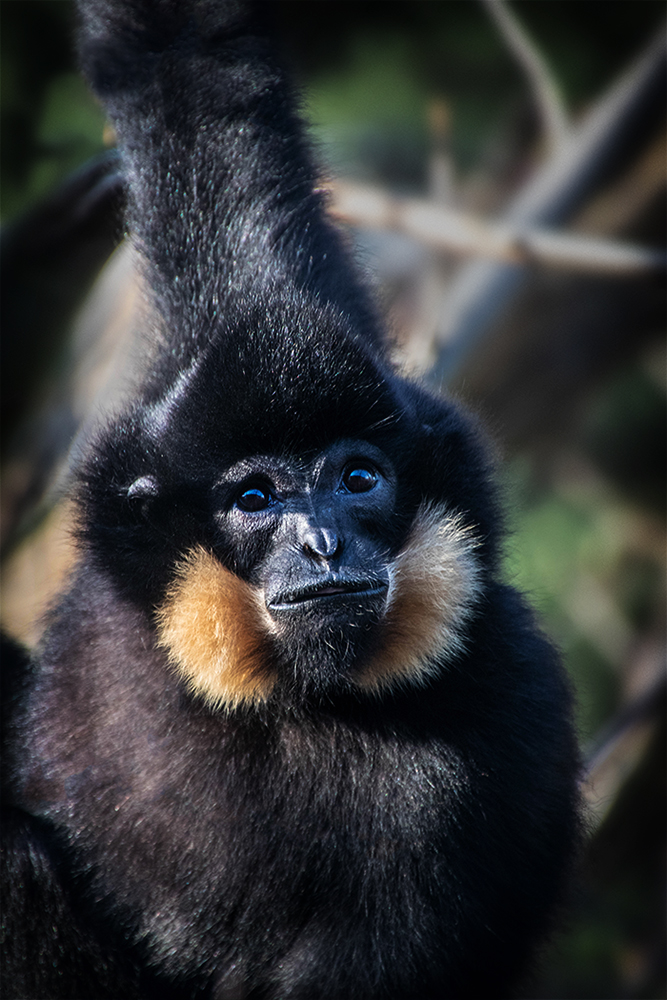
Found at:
[321, 542]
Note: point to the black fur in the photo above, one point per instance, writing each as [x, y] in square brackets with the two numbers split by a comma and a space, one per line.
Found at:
[329, 842]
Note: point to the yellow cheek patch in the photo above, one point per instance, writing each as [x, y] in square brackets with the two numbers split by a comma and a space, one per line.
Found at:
[214, 628]
[435, 582]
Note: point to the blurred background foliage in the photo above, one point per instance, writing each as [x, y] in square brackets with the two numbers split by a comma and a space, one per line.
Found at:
[423, 98]
[368, 73]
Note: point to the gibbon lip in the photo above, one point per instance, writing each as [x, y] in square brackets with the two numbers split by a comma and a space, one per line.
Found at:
[329, 588]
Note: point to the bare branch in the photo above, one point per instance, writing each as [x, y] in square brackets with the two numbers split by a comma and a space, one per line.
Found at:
[617, 122]
[543, 86]
[461, 233]
[621, 745]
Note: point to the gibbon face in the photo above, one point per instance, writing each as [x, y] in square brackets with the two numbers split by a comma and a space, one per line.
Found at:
[284, 561]
[316, 594]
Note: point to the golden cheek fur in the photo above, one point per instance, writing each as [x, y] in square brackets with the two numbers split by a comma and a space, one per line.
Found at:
[216, 629]
[435, 582]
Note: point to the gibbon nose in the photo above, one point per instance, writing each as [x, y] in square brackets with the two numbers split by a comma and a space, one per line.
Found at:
[320, 542]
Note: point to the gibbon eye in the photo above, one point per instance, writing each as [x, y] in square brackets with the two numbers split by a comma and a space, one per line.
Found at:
[254, 498]
[359, 479]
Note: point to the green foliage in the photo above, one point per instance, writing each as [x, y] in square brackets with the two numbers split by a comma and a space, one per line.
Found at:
[374, 113]
[564, 553]
[50, 122]
[68, 133]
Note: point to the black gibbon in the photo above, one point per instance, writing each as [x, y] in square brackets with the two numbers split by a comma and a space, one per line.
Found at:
[288, 734]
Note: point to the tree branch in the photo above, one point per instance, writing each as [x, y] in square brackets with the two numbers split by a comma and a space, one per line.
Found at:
[461, 233]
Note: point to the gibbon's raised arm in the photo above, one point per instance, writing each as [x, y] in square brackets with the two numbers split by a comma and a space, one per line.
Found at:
[224, 198]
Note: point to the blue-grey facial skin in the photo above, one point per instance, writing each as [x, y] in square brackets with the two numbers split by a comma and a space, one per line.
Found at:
[312, 536]
[321, 522]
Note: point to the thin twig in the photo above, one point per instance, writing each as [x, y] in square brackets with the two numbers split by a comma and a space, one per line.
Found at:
[542, 84]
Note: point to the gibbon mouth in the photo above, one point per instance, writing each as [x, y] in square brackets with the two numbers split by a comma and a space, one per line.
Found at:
[364, 589]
